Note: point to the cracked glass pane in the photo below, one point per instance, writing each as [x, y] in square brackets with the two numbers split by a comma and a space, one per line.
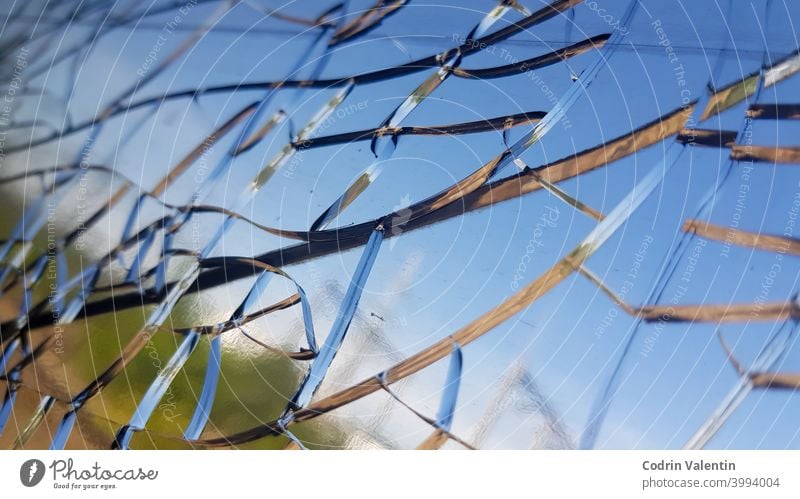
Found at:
[393, 224]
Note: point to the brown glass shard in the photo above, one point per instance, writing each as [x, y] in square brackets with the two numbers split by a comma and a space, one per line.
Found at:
[743, 238]
[774, 111]
[766, 154]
